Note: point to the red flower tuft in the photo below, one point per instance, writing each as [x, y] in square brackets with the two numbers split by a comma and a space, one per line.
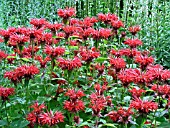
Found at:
[3, 55]
[143, 106]
[6, 92]
[134, 29]
[42, 61]
[38, 23]
[116, 24]
[118, 63]
[66, 13]
[133, 43]
[50, 118]
[136, 92]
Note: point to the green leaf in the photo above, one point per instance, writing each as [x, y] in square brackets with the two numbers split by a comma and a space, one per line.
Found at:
[25, 59]
[3, 123]
[101, 59]
[109, 125]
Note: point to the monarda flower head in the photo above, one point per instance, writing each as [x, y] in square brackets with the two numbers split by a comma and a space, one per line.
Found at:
[54, 51]
[21, 72]
[116, 24]
[107, 18]
[69, 64]
[118, 63]
[162, 90]
[38, 23]
[143, 107]
[6, 92]
[133, 43]
[3, 55]
[136, 92]
[121, 115]
[42, 61]
[66, 13]
[49, 118]
[134, 29]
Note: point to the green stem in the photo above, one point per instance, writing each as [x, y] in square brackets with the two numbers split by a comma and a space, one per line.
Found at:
[6, 113]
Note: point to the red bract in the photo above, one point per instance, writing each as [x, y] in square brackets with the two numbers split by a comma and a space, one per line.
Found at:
[15, 40]
[42, 61]
[144, 61]
[6, 92]
[107, 18]
[74, 94]
[134, 29]
[97, 103]
[143, 106]
[162, 90]
[69, 64]
[127, 76]
[32, 118]
[50, 118]
[6, 33]
[136, 92]
[66, 13]
[121, 115]
[21, 72]
[133, 43]
[3, 55]
[54, 51]
[54, 27]
[118, 63]
[100, 89]
[87, 22]
[37, 108]
[38, 23]
[88, 55]
[116, 24]
[104, 33]
[74, 106]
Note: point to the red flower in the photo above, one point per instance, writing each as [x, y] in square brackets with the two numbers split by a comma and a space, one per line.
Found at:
[21, 72]
[54, 27]
[107, 18]
[38, 23]
[54, 51]
[51, 119]
[66, 13]
[74, 94]
[3, 55]
[74, 106]
[104, 33]
[118, 63]
[136, 92]
[1, 40]
[144, 61]
[6, 92]
[121, 115]
[116, 24]
[163, 90]
[69, 64]
[42, 61]
[133, 43]
[134, 29]
[100, 69]
[37, 108]
[32, 118]
[88, 55]
[143, 106]
[17, 40]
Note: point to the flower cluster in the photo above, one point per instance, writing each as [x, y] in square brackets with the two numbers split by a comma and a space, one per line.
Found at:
[21, 72]
[136, 92]
[162, 90]
[6, 92]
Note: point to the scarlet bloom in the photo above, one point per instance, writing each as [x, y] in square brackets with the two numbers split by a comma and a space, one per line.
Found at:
[3, 55]
[21, 72]
[134, 29]
[133, 43]
[162, 90]
[121, 115]
[107, 18]
[144, 61]
[69, 64]
[89, 55]
[74, 104]
[17, 40]
[66, 13]
[50, 118]
[54, 51]
[6, 92]
[42, 61]
[37, 108]
[143, 106]
[38, 23]
[118, 63]
[1, 40]
[54, 27]
[116, 24]
[136, 92]
[104, 33]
